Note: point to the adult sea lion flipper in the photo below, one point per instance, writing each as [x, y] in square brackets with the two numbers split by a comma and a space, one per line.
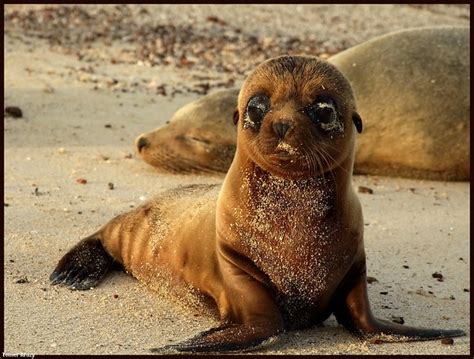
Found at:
[353, 312]
[85, 265]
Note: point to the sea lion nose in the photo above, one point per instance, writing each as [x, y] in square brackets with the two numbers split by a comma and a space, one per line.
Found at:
[281, 128]
[141, 143]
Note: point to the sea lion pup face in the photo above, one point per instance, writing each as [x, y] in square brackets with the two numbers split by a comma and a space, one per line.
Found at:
[196, 139]
[297, 116]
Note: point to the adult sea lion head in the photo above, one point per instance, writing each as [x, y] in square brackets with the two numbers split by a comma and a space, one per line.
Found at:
[297, 117]
[196, 139]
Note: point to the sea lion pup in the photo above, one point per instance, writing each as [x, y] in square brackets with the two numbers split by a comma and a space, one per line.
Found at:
[412, 90]
[283, 246]
[196, 139]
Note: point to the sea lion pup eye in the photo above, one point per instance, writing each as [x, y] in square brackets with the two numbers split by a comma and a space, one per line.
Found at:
[257, 108]
[324, 113]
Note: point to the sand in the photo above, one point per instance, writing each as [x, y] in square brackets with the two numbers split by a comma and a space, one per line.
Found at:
[71, 131]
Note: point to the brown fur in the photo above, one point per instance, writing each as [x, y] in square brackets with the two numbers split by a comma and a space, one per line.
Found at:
[414, 127]
[283, 246]
[196, 139]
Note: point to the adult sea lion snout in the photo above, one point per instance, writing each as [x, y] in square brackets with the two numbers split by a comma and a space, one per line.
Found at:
[141, 142]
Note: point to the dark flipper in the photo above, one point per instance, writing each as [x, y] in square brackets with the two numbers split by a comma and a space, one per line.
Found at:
[353, 312]
[84, 266]
[226, 338]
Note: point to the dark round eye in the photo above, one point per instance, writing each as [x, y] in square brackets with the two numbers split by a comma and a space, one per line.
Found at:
[323, 112]
[257, 108]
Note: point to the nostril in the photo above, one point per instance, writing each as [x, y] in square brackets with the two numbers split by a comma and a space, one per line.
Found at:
[141, 143]
[281, 128]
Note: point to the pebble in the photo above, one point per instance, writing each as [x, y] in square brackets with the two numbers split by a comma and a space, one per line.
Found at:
[447, 341]
[22, 280]
[363, 189]
[376, 341]
[438, 276]
[111, 185]
[13, 111]
[371, 280]
[81, 180]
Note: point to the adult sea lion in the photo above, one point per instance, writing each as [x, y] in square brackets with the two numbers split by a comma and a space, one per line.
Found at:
[412, 88]
[413, 92]
[282, 247]
[200, 137]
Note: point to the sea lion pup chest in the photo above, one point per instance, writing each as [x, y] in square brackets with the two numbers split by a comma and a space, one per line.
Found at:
[287, 212]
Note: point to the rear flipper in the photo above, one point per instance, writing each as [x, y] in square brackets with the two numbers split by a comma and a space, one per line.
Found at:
[227, 338]
[84, 266]
[353, 312]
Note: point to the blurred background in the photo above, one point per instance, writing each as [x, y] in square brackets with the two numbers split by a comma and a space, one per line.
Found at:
[210, 45]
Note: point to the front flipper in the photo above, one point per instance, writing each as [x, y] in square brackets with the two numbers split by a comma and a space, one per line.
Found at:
[353, 312]
[227, 338]
[84, 266]
[249, 312]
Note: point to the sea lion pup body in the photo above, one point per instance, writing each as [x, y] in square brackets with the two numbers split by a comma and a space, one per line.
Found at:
[412, 90]
[196, 139]
[283, 246]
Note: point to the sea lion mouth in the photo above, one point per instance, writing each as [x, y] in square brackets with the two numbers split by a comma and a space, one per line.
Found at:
[284, 149]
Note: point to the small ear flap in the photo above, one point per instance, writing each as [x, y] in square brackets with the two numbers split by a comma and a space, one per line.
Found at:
[236, 116]
[357, 122]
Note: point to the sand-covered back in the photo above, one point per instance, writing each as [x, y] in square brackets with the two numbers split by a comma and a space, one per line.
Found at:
[88, 81]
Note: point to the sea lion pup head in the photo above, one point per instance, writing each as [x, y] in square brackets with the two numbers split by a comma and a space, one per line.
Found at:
[296, 117]
[200, 137]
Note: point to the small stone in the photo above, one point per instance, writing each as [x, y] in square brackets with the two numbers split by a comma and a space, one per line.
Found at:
[81, 180]
[376, 341]
[438, 276]
[61, 150]
[111, 185]
[128, 156]
[160, 90]
[13, 111]
[116, 296]
[384, 293]
[363, 189]
[371, 280]
[22, 280]
[466, 290]
[5, 204]
[406, 267]
[108, 125]
[447, 341]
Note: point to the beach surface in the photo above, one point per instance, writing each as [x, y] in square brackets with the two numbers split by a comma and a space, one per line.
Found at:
[70, 166]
